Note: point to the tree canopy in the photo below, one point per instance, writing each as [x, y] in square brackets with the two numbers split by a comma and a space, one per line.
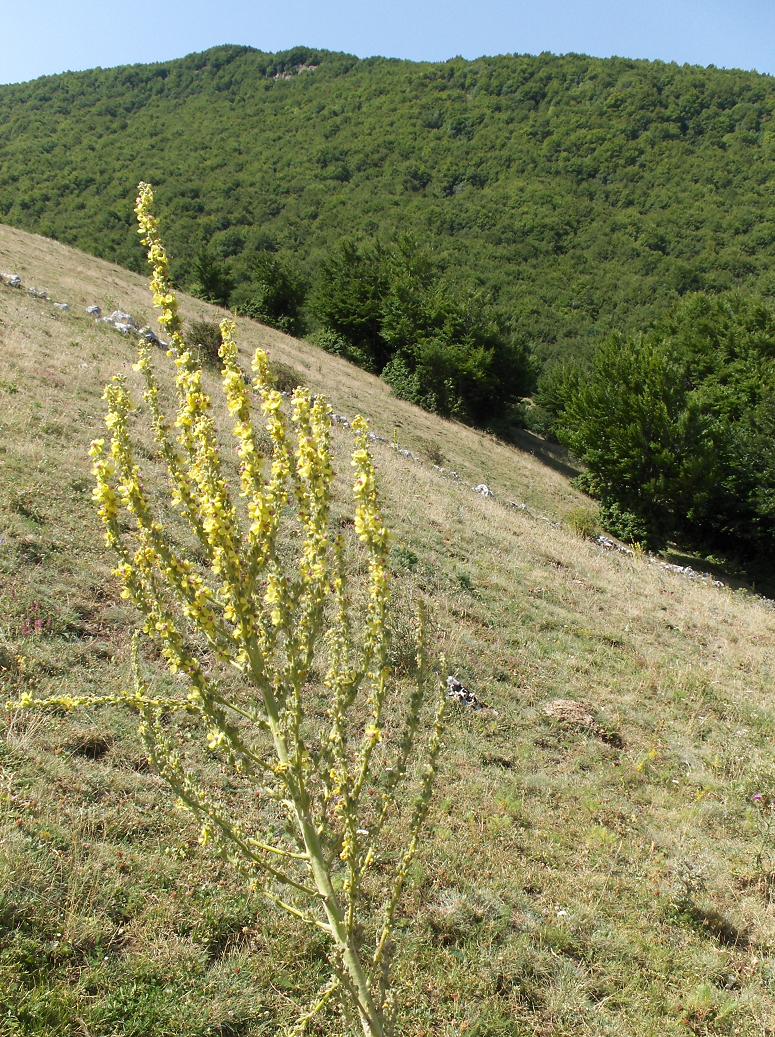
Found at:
[584, 195]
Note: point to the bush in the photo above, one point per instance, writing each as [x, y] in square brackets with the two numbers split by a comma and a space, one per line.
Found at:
[284, 377]
[625, 525]
[212, 280]
[206, 340]
[437, 344]
[336, 344]
[584, 522]
[676, 427]
[274, 294]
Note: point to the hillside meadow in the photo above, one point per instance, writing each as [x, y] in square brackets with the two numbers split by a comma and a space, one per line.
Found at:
[580, 878]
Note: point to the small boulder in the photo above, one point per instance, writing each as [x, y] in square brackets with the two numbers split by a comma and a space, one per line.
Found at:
[37, 293]
[457, 691]
[119, 317]
[483, 490]
[94, 311]
[149, 335]
[63, 306]
[12, 280]
[125, 329]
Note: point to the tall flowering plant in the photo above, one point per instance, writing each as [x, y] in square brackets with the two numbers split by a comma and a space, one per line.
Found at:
[265, 593]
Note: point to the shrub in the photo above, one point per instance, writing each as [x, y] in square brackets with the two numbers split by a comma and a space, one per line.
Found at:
[284, 377]
[333, 342]
[212, 280]
[274, 294]
[313, 783]
[206, 340]
[584, 522]
[676, 426]
[625, 525]
[437, 344]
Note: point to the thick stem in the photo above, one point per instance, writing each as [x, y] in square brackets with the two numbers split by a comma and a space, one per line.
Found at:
[370, 1016]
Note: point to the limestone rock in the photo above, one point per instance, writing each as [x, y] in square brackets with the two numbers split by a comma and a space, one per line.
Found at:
[119, 317]
[94, 311]
[149, 335]
[483, 490]
[457, 691]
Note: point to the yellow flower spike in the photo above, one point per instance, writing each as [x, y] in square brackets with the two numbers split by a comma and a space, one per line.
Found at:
[273, 603]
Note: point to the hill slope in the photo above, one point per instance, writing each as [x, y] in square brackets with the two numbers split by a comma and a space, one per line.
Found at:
[549, 898]
[586, 193]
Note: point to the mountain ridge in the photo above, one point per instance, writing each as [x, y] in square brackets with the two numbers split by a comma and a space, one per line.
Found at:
[584, 194]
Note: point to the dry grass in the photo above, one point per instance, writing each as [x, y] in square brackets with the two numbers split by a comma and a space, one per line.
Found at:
[545, 902]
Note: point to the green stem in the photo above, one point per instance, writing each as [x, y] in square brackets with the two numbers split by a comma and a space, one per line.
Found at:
[370, 1016]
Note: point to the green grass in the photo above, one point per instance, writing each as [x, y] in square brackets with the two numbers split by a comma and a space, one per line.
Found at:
[550, 897]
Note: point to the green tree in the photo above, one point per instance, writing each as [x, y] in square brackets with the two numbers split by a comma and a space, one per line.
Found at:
[274, 295]
[675, 426]
[212, 280]
[348, 298]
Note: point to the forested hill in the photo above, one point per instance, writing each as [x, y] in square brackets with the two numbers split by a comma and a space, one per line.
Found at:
[586, 193]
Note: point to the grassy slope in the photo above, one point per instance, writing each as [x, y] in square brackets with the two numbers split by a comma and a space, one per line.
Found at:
[544, 903]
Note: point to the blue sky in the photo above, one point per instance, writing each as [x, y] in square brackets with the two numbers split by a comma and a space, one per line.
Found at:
[56, 35]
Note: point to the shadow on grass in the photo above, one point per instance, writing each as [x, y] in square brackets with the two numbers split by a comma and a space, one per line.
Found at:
[756, 576]
[553, 455]
[712, 923]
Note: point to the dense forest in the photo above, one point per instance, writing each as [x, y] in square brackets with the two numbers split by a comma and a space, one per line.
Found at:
[600, 229]
[575, 195]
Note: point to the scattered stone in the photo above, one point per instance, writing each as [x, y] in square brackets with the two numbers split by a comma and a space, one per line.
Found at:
[375, 437]
[683, 570]
[610, 545]
[63, 306]
[457, 691]
[149, 335]
[407, 453]
[12, 280]
[340, 419]
[483, 490]
[691, 574]
[94, 311]
[125, 329]
[517, 505]
[37, 293]
[119, 317]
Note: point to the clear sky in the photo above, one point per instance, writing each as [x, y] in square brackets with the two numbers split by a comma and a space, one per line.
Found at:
[56, 35]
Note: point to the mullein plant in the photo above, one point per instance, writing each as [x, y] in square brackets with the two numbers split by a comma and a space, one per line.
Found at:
[265, 593]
